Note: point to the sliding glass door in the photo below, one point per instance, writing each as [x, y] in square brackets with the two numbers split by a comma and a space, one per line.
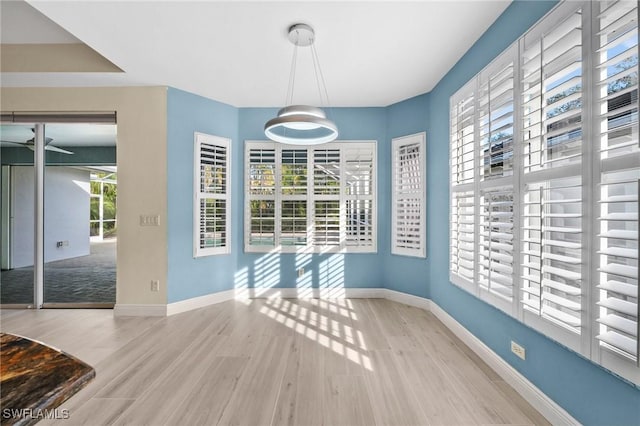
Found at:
[80, 223]
[59, 213]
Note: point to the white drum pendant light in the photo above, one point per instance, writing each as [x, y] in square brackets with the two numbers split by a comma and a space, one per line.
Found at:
[302, 124]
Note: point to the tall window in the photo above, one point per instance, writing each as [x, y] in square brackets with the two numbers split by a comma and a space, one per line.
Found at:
[314, 199]
[545, 176]
[408, 174]
[462, 139]
[211, 202]
[615, 139]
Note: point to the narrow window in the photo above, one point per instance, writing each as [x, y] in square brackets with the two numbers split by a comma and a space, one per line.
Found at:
[212, 204]
[409, 196]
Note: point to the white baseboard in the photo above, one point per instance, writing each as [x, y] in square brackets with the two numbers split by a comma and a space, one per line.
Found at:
[365, 293]
[408, 299]
[132, 310]
[126, 310]
[200, 302]
[259, 293]
[285, 293]
[313, 293]
[555, 414]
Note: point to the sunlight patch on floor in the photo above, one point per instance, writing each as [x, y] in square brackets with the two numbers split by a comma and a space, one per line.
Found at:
[339, 337]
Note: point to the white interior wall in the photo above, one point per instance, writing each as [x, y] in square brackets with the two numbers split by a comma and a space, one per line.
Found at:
[66, 214]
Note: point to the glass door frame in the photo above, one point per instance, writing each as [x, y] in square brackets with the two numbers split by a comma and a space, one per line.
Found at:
[39, 120]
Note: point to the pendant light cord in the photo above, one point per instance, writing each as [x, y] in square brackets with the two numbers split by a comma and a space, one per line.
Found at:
[320, 77]
[292, 77]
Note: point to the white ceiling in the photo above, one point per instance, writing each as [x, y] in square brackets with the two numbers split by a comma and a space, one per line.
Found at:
[372, 53]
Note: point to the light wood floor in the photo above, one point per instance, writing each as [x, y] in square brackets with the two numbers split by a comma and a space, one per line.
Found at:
[276, 361]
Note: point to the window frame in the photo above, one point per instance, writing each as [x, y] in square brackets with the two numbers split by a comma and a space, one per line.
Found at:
[419, 139]
[310, 197]
[199, 139]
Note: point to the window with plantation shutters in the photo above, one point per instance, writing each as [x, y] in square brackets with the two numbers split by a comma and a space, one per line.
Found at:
[546, 227]
[359, 196]
[311, 199]
[326, 190]
[495, 94]
[261, 196]
[212, 203]
[616, 97]
[408, 186]
[552, 282]
[293, 204]
[462, 163]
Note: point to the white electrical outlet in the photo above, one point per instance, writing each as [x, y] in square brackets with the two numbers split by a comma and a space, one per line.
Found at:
[518, 350]
[155, 285]
[300, 272]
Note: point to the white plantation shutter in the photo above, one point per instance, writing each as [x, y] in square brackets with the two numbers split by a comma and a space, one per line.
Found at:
[212, 202]
[617, 77]
[462, 238]
[552, 94]
[326, 190]
[495, 246]
[262, 171]
[616, 276]
[618, 265]
[317, 198]
[409, 196]
[495, 117]
[326, 223]
[261, 196]
[294, 223]
[462, 164]
[359, 190]
[292, 227]
[462, 147]
[552, 257]
[326, 172]
[552, 288]
[293, 173]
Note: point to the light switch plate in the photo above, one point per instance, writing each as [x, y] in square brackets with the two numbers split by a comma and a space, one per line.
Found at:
[149, 220]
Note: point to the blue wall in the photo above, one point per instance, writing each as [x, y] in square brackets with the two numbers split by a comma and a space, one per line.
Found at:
[402, 273]
[188, 277]
[188, 113]
[585, 390]
[332, 271]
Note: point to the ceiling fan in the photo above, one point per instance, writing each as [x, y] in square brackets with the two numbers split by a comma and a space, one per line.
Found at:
[30, 142]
